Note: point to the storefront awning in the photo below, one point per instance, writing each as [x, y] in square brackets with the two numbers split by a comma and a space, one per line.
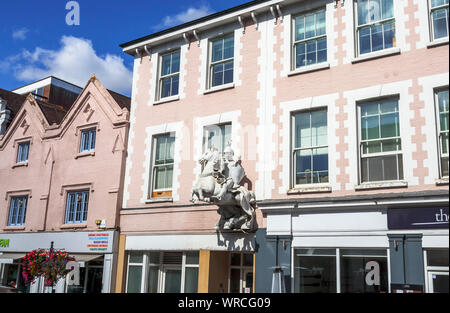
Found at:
[8, 258]
[85, 257]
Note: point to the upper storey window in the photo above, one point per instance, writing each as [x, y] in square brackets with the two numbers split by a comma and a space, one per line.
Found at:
[439, 18]
[22, 152]
[217, 136]
[222, 61]
[88, 140]
[170, 74]
[443, 109]
[376, 25]
[310, 40]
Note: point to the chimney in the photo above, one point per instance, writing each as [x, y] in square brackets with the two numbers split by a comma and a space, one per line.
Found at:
[5, 116]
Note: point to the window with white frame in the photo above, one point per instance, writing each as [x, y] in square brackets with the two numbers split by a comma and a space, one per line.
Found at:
[23, 150]
[380, 141]
[77, 207]
[17, 211]
[439, 18]
[443, 117]
[163, 272]
[170, 74]
[217, 136]
[310, 38]
[375, 25]
[241, 273]
[221, 63]
[162, 165]
[436, 270]
[316, 270]
[310, 147]
[87, 142]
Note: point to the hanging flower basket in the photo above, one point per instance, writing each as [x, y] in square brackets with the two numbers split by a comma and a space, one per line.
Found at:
[50, 265]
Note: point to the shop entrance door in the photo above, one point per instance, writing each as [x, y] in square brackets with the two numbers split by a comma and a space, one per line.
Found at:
[171, 280]
[438, 282]
[248, 281]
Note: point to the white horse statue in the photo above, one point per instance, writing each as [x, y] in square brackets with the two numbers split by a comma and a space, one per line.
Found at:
[216, 186]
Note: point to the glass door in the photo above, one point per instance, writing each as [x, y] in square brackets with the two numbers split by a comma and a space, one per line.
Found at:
[248, 281]
[438, 282]
[171, 282]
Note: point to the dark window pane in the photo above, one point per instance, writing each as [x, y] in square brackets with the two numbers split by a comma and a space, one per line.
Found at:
[389, 34]
[437, 257]
[228, 47]
[228, 74]
[235, 259]
[377, 37]
[320, 162]
[321, 50]
[310, 26]
[299, 28]
[311, 50]
[191, 280]
[363, 10]
[444, 166]
[166, 82]
[304, 167]
[300, 50]
[175, 83]
[390, 125]
[165, 65]
[388, 9]
[175, 62]
[364, 40]
[217, 50]
[314, 274]
[217, 75]
[134, 279]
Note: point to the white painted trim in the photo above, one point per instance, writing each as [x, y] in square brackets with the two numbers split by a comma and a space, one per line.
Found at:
[430, 129]
[151, 131]
[188, 242]
[423, 29]
[131, 134]
[341, 241]
[45, 82]
[401, 89]
[325, 101]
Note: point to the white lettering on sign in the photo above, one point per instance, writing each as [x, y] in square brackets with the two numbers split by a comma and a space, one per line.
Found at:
[73, 278]
[373, 277]
[441, 217]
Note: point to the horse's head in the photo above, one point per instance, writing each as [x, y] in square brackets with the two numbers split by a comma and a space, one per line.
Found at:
[210, 157]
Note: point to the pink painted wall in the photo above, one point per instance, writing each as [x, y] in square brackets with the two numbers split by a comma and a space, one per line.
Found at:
[411, 64]
[53, 168]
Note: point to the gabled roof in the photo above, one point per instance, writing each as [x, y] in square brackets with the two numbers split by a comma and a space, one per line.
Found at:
[53, 113]
[122, 101]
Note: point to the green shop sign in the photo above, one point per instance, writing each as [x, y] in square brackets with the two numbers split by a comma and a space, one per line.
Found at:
[4, 243]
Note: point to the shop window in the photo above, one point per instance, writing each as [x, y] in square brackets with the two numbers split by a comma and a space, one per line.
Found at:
[310, 39]
[162, 166]
[315, 271]
[87, 143]
[77, 207]
[241, 273]
[364, 271]
[23, 149]
[436, 270]
[439, 18]
[380, 141]
[443, 118]
[310, 147]
[221, 65]
[375, 25]
[169, 75]
[166, 272]
[17, 211]
[361, 271]
[217, 136]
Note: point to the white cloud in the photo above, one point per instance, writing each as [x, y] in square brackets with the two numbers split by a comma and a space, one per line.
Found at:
[190, 14]
[20, 34]
[75, 62]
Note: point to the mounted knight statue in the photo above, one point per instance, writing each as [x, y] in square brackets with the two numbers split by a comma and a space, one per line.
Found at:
[219, 184]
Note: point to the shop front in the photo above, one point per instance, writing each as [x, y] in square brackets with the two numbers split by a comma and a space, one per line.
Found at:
[355, 245]
[189, 263]
[93, 253]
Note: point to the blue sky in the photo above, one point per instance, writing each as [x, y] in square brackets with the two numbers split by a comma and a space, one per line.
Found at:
[36, 42]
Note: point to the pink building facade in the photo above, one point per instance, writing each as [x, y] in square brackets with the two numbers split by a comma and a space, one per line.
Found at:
[61, 174]
[339, 111]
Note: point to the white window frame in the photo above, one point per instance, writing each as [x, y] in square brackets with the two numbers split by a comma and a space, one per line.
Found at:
[222, 133]
[381, 21]
[293, 149]
[154, 166]
[439, 131]
[294, 42]
[211, 64]
[86, 135]
[145, 264]
[361, 154]
[430, 270]
[20, 151]
[430, 15]
[161, 77]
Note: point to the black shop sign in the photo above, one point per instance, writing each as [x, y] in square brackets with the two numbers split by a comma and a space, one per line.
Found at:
[418, 218]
